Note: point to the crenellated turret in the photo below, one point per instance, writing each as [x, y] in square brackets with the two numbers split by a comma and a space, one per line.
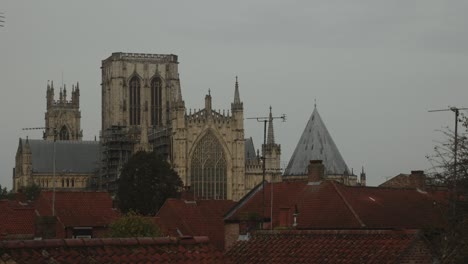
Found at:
[50, 94]
[64, 93]
[363, 177]
[208, 102]
[272, 151]
[76, 95]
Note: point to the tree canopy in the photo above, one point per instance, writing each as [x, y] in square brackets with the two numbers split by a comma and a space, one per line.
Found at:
[133, 225]
[5, 194]
[146, 181]
[32, 191]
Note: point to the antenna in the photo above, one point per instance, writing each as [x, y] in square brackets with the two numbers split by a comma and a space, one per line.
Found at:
[265, 121]
[454, 179]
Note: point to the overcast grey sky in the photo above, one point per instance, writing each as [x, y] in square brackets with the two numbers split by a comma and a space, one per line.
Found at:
[375, 67]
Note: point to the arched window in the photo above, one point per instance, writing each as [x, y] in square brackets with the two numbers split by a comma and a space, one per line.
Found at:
[156, 99]
[68, 183]
[64, 135]
[134, 101]
[73, 182]
[208, 169]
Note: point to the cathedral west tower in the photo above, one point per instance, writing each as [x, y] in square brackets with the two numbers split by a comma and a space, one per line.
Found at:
[63, 117]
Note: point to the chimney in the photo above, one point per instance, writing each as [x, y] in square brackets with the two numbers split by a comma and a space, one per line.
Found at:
[316, 170]
[417, 179]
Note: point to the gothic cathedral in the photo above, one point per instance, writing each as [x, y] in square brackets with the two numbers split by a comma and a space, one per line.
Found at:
[143, 109]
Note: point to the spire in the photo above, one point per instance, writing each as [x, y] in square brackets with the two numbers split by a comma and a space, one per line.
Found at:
[236, 93]
[271, 135]
[208, 101]
[237, 104]
[64, 93]
[61, 94]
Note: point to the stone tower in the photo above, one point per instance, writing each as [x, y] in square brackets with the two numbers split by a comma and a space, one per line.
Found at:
[272, 153]
[138, 92]
[63, 117]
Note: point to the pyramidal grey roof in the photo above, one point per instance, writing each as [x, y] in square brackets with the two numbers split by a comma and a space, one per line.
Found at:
[316, 144]
[70, 156]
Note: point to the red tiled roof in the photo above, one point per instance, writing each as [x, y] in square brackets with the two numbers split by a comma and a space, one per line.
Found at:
[194, 218]
[330, 205]
[78, 208]
[111, 250]
[16, 220]
[327, 246]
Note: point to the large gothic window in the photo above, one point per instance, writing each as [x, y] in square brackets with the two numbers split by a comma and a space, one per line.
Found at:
[134, 101]
[64, 135]
[208, 169]
[156, 98]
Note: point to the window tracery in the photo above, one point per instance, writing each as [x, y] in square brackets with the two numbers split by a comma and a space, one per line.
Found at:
[209, 169]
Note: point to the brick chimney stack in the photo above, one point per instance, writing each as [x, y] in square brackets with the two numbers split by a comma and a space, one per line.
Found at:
[316, 170]
[417, 179]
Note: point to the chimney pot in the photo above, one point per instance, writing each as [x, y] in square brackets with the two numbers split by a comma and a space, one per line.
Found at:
[417, 179]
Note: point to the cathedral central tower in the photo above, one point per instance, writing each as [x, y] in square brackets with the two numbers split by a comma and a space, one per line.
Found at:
[138, 91]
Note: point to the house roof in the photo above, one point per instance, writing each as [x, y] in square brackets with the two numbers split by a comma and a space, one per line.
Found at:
[327, 246]
[70, 156]
[78, 208]
[330, 205]
[111, 250]
[17, 220]
[316, 143]
[179, 217]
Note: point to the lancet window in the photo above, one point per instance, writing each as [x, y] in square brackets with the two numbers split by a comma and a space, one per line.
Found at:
[134, 101]
[64, 135]
[156, 102]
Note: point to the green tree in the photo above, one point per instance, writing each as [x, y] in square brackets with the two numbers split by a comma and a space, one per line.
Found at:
[146, 181]
[133, 225]
[32, 191]
[3, 192]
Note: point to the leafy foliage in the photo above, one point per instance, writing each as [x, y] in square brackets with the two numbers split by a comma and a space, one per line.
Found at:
[133, 225]
[32, 191]
[4, 194]
[146, 181]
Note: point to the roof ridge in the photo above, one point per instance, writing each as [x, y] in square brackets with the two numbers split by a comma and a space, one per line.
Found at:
[348, 205]
[93, 242]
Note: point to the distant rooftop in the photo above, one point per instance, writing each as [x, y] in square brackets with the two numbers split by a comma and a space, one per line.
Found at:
[71, 156]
